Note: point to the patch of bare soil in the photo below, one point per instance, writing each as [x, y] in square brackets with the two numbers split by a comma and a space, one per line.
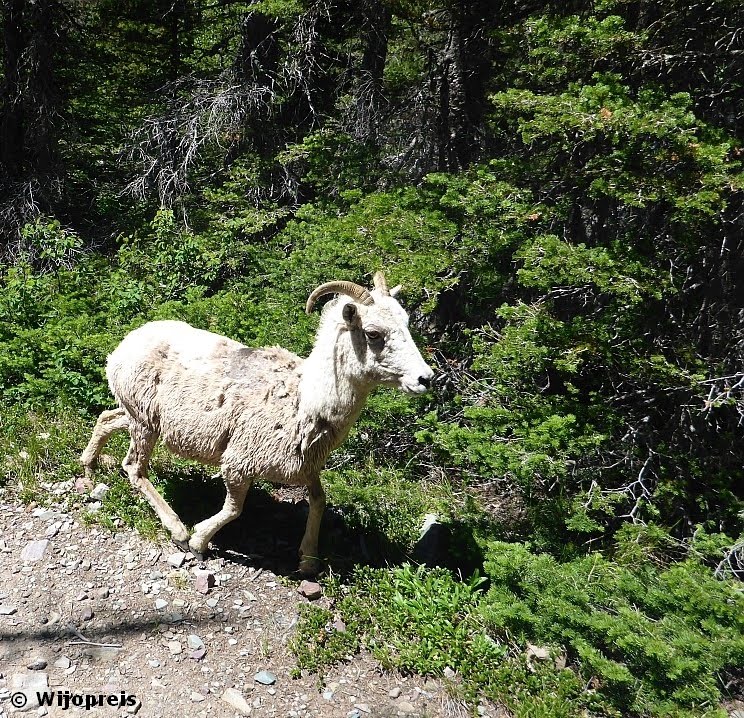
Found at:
[90, 615]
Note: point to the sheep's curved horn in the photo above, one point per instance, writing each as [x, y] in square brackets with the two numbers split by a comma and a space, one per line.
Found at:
[355, 291]
[381, 284]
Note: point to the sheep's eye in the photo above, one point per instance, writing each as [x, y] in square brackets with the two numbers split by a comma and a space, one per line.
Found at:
[374, 337]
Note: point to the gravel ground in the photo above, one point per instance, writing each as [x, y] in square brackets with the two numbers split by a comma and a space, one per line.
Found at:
[94, 613]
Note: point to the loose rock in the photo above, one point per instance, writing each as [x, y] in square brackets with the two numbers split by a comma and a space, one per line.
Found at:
[34, 550]
[204, 581]
[266, 678]
[310, 590]
[234, 698]
[194, 642]
[176, 559]
[99, 492]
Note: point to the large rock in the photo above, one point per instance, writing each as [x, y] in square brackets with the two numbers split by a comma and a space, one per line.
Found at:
[431, 547]
[34, 550]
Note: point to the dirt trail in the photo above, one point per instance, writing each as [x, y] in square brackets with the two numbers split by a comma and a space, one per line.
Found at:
[65, 587]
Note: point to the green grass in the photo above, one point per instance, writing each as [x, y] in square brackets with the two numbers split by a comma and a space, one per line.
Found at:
[641, 641]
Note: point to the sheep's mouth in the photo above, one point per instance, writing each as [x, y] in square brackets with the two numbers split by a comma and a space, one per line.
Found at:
[413, 388]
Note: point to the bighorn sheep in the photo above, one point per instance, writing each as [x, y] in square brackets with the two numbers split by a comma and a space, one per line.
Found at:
[256, 412]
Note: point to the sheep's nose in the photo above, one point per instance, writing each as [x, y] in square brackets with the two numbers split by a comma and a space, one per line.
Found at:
[425, 381]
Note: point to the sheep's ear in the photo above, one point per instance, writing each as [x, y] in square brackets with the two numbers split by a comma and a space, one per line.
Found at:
[350, 313]
[396, 290]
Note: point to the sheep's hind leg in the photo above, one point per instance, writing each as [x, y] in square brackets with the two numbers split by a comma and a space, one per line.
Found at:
[135, 465]
[309, 561]
[237, 488]
[108, 422]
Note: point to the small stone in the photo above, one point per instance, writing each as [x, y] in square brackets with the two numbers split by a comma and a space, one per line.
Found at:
[53, 530]
[328, 695]
[105, 654]
[160, 604]
[395, 692]
[235, 699]
[232, 641]
[85, 565]
[133, 710]
[212, 602]
[196, 697]
[176, 559]
[34, 550]
[355, 713]
[339, 625]
[87, 613]
[103, 593]
[265, 678]
[363, 707]
[449, 674]
[179, 603]
[310, 590]
[194, 642]
[198, 654]
[539, 653]
[405, 707]
[38, 664]
[83, 485]
[153, 663]
[63, 662]
[99, 492]
[6, 610]
[174, 647]
[204, 581]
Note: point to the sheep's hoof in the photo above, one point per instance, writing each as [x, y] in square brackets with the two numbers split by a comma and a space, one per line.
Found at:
[309, 566]
[183, 545]
[198, 555]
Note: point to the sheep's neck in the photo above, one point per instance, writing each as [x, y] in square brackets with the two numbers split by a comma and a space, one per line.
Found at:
[327, 393]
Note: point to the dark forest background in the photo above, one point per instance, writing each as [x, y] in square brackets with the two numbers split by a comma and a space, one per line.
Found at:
[559, 187]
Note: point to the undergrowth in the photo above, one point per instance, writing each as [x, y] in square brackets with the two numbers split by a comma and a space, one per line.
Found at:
[620, 640]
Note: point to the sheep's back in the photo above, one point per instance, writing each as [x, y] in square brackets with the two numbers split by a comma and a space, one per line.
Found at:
[198, 389]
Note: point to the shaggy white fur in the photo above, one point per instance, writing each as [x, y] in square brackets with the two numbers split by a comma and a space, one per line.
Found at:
[254, 412]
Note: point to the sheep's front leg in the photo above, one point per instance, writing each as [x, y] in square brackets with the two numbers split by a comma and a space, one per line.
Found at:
[309, 561]
[135, 465]
[237, 488]
[108, 422]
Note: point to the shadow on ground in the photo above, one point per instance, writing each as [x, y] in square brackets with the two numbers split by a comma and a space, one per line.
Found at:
[270, 529]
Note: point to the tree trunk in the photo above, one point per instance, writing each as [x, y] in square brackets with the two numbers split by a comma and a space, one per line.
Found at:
[11, 146]
[376, 23]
